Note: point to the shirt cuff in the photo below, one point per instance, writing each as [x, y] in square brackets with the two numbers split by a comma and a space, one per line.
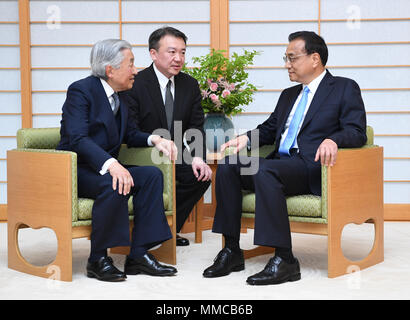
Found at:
[149, 142]
[106, 164]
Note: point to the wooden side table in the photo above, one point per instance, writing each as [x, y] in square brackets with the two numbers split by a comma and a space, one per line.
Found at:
[202, 216]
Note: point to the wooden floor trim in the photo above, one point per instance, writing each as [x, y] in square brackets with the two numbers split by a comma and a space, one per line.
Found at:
[396, 212]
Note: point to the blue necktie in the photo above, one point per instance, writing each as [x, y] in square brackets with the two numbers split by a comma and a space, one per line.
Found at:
[294, 124]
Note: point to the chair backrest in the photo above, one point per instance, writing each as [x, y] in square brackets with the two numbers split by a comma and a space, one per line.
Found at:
[370, 136]
[38, 138]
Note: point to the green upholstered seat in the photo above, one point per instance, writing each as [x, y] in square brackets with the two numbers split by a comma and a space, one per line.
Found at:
[85, 206]
[304, 205]
[47, 139]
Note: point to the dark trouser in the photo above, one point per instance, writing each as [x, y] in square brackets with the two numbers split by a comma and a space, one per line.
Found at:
[188, 192]
[272, 182]
[110, 218]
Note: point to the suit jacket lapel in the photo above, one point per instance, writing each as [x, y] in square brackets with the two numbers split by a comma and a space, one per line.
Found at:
[124, 117]
[152, 86]
[324, 89]
[105, 113]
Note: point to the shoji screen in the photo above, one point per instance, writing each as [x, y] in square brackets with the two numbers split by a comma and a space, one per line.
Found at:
[10, 104]
[63, 32]
[369, 41]
[59, 38]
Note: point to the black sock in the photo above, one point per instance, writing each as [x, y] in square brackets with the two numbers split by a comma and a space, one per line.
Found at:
[232, 243]
[96, 255]
[285, 253]
[138, 251]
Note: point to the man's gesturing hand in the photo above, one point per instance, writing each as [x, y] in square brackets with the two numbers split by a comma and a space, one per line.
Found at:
[168, 147]
[239, 143]
[201, 170]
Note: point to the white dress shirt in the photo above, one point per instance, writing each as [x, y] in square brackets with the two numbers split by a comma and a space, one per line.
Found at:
[163, 82]
[313, 85]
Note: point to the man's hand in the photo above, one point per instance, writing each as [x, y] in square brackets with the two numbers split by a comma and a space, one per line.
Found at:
[121, 176]
[168, 147]
[201, 170]
[327, 153]
[239, 143]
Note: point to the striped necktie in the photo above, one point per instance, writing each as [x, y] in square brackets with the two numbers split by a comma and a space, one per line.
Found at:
[169, 104]
[116, 104]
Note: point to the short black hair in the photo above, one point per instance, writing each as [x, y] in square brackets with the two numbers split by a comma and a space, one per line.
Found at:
[313, 43]
[157, 35]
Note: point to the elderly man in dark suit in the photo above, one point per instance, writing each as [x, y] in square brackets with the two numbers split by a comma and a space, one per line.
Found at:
[164, 99]
[94, 124]
[310, 122]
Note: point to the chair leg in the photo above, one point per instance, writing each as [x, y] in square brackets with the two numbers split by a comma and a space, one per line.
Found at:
[355, 195]
[167, 252]
[198, 220]
[339, 265]
[59, 269]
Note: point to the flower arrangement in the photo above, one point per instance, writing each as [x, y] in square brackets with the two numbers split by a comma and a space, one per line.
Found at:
[223, 81]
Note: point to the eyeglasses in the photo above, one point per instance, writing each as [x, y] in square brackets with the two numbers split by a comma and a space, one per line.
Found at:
[293, 58]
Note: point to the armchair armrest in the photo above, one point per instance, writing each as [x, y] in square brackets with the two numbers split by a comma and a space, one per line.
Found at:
[354, 184]
[143, 157]
[42, 186]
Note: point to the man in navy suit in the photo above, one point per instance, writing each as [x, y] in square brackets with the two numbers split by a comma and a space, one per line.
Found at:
[310, 122]
[94, 124]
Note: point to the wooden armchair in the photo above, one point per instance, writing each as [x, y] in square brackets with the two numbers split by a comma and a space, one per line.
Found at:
[352, 192]
[42, 192]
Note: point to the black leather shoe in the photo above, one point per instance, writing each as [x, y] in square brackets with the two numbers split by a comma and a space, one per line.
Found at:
[147, 264]
[225, 262]
[104, 270]
[276, 271]
[182, 242]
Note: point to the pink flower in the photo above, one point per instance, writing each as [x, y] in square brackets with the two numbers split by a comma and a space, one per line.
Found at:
[204, 94]
[213, 86]
[225, 93]
[213, 97]
[231, 86]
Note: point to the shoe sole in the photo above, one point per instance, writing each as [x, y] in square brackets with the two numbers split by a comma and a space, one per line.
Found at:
[234, 269]
[292, 278]
[135, 272]
[114, 279]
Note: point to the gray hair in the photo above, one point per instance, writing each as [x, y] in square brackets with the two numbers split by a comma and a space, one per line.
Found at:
[107, 52]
